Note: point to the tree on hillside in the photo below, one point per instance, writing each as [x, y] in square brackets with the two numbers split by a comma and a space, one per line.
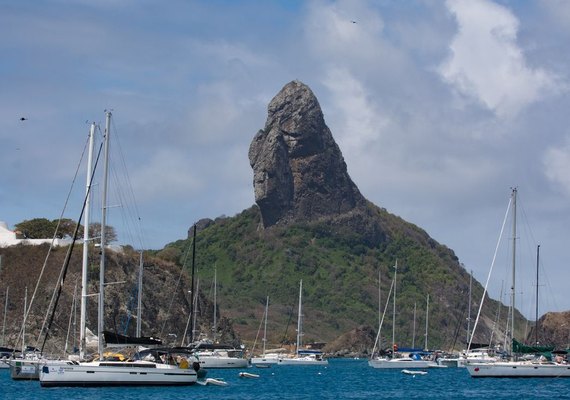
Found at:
[37, 228]
[67, 228]
[42, 228]
[95, 232]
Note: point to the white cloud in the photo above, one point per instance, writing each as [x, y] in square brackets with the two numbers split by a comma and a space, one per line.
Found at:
[360, 122]
[556, 163]
[167, 174]
[487, 64]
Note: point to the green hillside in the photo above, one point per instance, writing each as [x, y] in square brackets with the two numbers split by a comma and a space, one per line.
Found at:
[339, 269]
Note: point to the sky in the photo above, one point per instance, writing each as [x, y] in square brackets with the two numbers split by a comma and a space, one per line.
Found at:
[439, 109]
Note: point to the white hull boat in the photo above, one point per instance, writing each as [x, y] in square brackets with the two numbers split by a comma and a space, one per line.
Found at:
[518, 369]
[209, 360]
[24, 369]
[401, 363]
[115, 373]
[303, 360]
[28, 369]
[448, 362]
[266, 360]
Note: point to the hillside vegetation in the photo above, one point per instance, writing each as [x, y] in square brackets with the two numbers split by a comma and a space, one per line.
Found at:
[340, 279]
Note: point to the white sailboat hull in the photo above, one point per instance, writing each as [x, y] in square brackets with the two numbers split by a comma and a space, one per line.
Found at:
[24, 369]
[302, 361]
[265, 360]
[523, 369]
[400, 363]
[209, 362]
[115, 374]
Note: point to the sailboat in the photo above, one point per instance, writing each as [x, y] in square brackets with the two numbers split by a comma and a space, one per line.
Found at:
[5, 352]
[302, 356]
[155, 369]
[210, 353]
[27, 365]
[396, 360]
[536, 368]
[266, 359]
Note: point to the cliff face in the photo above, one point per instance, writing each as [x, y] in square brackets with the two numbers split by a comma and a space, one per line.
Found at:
[299, 171]
[165, 301]
[553, 329]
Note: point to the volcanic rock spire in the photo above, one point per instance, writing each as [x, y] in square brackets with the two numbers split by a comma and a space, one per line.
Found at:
[299, 171]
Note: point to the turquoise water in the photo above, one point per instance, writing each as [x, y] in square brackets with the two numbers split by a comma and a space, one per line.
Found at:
[341, 379]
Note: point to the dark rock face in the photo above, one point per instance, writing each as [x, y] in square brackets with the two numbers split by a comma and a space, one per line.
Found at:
[200, 226]
[553, 329]
[299, 171]
[359, 342]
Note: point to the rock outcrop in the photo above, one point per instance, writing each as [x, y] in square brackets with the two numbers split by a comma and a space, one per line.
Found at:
[299, 170]
[359, 342]
[553, 330]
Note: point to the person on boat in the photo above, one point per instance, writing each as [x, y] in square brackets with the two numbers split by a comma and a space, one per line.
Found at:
[183, 363]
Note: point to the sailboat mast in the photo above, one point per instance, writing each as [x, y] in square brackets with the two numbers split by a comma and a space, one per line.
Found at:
[195, 311]
[299, 318]
[536, 313]
[414, 327]
[83, 306]
[215, 301]
[192, 291]
[5, 312]
[139, 296]
[265, 325]
[469, 308]
[512, 330]
[100, 324]
[394, 310]
[379, 299]
[24, 323]
[427, 323]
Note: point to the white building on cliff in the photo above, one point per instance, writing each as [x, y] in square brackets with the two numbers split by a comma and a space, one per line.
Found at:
[8, 238]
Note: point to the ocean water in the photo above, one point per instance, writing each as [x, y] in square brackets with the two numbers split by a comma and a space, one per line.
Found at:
[341, 379]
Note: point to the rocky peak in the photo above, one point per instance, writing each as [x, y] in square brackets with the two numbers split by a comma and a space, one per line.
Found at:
[299, 171]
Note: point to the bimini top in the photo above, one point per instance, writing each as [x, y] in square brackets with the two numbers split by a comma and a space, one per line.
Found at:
[113, 339]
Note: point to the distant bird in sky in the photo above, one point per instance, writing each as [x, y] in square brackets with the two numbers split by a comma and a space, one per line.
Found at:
[354, 22]
[23, 119]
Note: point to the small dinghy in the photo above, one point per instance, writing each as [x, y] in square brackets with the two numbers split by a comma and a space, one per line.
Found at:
[213, 381]
[248, 375]
[408, 372]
